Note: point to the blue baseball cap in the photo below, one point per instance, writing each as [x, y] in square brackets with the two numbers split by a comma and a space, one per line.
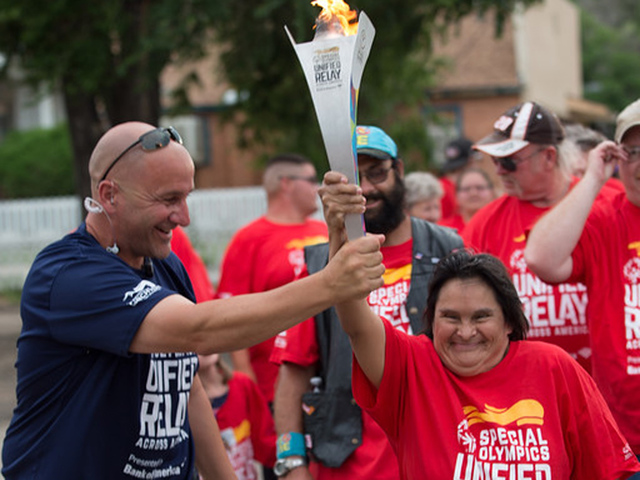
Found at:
[374, 142]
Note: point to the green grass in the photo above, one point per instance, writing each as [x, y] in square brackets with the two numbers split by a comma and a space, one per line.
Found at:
[10, 297]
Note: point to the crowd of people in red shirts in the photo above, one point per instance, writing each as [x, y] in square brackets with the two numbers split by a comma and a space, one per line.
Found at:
[564, 221]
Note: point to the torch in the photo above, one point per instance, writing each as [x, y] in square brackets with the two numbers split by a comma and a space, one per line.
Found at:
[333, 63]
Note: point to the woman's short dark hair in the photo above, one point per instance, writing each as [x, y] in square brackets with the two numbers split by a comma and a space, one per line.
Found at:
[464, 264]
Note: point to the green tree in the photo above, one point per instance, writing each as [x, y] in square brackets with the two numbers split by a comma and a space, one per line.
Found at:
[106, 57]
[611, 71]
[258, 59]
[36, 163]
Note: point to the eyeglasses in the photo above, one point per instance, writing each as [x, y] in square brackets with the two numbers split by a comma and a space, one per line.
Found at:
[510, 163]
[311, 178]
[376, 175]
[478, 188]
[633, 154]
[153, 140]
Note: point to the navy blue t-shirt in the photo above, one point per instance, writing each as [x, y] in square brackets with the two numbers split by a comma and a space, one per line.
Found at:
[87, 408]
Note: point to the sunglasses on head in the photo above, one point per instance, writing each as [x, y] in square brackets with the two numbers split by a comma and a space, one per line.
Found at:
[153, 140]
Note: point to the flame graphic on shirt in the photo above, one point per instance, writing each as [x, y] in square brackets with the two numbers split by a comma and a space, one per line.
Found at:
[520, 238]
[393, 275]
[242, 431]
[524, 412]
[300, 243]
[635, 246]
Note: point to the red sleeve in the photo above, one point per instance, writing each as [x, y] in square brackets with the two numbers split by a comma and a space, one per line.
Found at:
[263, 433]
[297, 345]
[196, 269]
[236, 271]
[593, 234]
[600, 450]
[382, 407]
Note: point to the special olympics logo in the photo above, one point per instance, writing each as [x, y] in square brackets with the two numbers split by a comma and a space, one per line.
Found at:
[465, 438]
[632, 270]
[517, 261]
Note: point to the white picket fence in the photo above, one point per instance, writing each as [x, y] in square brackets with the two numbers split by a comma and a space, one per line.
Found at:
[26, 226]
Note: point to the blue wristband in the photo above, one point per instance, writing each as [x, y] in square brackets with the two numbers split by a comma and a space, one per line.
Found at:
[290, 444]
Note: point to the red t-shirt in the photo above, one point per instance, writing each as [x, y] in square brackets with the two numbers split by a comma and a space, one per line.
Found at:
[246, 427]
[454, 221]
[536, 415]
[196, 269]
[262, 256]
[607, 260]
[615, 184]
[374, 459]
[557, 314]
[448, 202]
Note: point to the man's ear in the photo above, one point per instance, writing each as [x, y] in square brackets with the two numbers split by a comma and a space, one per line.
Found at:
[551, 156]
[399, 166]
[106, 192]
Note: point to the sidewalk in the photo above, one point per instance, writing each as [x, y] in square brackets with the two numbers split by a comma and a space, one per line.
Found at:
[9, 330]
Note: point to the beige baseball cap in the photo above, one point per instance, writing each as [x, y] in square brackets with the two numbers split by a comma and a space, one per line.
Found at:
[628, 118]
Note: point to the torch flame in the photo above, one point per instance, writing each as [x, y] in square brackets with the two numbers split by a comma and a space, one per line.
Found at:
[336, 17]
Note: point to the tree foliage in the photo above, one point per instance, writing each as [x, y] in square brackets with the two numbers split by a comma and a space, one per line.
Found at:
[36, 163]
[259, 59]
[107, 55]
[610, 50]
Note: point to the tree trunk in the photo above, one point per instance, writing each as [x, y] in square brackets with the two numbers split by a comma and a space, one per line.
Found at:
[135, 98]
[85, 129]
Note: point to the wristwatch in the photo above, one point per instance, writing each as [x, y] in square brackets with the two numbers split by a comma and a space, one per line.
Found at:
[285, 465]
